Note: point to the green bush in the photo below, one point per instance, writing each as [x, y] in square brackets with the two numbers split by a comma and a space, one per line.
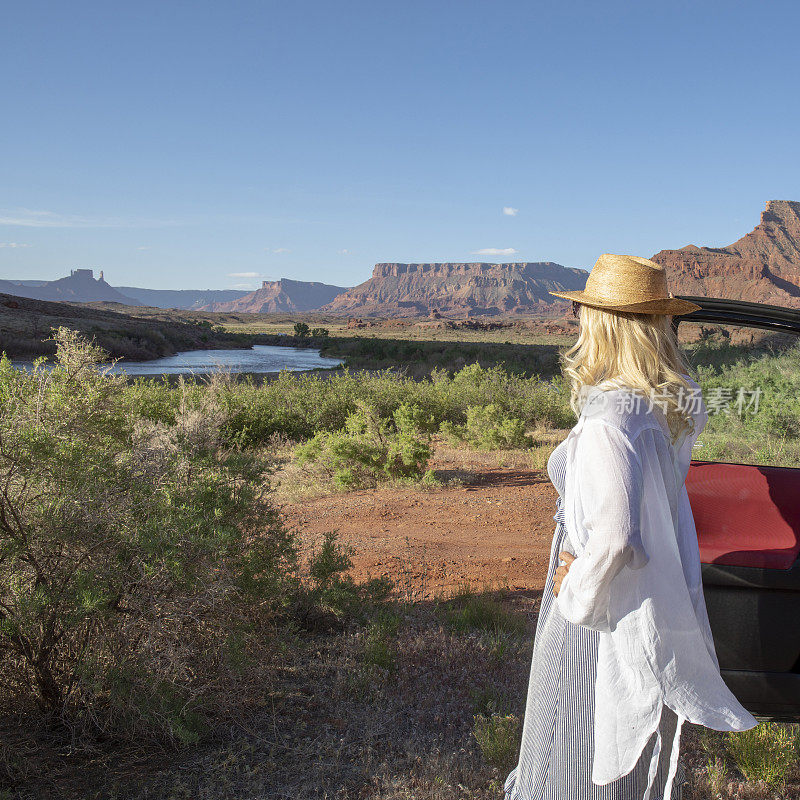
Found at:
[766, 434]
[301, 330]
[766, 752]
[320, 333]
[328, 595]
[469, 611]
[488, 700]
[300, 406]
[716, 774]
[489, 428]
[419, 357]
[379, 651]
[498, 739]
[128, 547]
[370, 448]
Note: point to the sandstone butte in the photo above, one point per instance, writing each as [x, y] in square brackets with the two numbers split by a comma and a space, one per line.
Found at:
[79, 287]
[459, 290]
[283, 295]
[763, 266]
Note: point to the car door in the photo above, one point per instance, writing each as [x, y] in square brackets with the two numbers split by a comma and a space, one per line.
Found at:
[747, 517]
[748, 527]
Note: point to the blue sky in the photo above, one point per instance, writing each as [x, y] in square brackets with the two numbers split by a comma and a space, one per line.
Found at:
[180, 144]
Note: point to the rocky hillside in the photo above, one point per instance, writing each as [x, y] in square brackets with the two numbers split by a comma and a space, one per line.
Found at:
[79, 287]
[763, 266]
[282, 295]
[460, 290]
[26, 325]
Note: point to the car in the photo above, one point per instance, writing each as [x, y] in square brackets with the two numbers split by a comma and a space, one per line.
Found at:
[748, 528]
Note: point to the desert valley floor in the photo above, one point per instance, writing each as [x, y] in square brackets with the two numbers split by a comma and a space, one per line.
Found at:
[494, 530]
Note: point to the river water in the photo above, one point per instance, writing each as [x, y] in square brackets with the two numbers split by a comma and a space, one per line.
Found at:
[261, 358]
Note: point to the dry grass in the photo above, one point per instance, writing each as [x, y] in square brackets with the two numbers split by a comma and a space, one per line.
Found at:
[332, 721]
[384, 710]
[714, 775]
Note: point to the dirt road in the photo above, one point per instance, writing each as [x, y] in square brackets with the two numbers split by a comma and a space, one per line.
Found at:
[497, 531]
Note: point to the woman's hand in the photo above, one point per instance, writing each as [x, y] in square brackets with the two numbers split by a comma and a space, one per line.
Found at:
[561, 572]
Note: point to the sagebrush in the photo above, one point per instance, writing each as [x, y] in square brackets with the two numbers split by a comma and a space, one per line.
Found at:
[140, 556]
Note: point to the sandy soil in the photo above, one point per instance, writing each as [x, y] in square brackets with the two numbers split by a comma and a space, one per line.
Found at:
[496, 531]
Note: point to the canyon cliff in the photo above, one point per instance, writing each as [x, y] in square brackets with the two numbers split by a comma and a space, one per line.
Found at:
[460, 290]
[763, 266]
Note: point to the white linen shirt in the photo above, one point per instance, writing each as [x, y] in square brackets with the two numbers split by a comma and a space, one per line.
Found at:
[636, 579]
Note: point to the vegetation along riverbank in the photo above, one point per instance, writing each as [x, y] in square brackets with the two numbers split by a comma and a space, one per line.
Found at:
[123, 332]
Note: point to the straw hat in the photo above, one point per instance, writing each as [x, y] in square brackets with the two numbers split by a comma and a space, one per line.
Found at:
[629, 283]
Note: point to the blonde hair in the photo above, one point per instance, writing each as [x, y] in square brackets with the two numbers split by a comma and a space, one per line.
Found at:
[639, 351]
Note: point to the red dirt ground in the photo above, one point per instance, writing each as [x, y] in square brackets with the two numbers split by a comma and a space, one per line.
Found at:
[497, 531]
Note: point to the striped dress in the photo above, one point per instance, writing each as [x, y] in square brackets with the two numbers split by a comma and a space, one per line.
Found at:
[555, 760]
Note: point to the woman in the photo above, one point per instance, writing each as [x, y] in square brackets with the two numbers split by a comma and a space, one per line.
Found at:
[623, 653]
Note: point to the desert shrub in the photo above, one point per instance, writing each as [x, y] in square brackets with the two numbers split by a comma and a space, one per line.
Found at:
[128, 547]
[155, 400]
[716, 774]
[379, 650]
[297, 406]
[531, 399]
[418, 358]
[777, 376]
[370, 448]
[328, 595]
[488, 700]
[498, 738]
[469, 611]
[320, 333]
[489, 428]
[736, 431]
[766, 752]
[300, 406]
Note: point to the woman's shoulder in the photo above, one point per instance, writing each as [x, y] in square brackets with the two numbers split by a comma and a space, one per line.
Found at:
[619, 406]
[630, 410]
[691, 381]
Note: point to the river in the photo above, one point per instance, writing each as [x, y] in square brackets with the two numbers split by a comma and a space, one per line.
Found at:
[261, 358]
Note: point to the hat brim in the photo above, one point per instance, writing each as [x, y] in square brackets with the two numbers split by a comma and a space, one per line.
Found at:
[672, 306]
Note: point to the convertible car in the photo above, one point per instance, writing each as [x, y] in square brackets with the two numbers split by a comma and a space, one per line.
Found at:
[748, 526]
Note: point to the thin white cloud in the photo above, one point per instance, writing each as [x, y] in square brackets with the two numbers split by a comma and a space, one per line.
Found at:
[281, 250]
[244, 274]
[510, 211]
[30, 218]
[13, 244]
[495, 251]
[343, 252]
[248, 286]
[143, 247]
